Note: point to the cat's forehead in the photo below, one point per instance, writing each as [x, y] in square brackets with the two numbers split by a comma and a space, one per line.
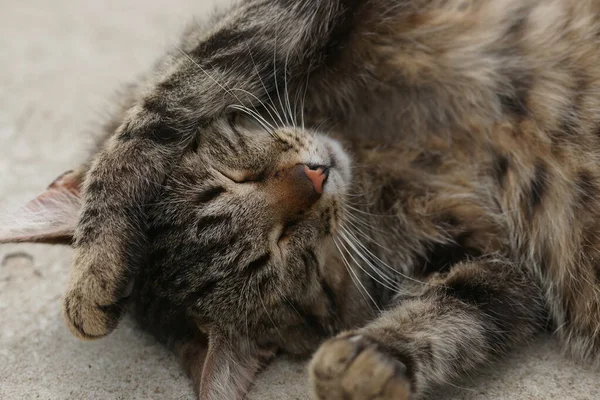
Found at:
[243, 142]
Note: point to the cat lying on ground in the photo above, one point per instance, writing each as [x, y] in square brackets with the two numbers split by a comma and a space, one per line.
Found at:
[418, 177]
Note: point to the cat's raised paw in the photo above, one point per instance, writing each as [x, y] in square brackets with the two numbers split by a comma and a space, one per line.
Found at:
[353, 367]
[89, 314]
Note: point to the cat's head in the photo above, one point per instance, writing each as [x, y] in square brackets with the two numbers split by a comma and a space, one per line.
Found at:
[239, 237]
[239, 233]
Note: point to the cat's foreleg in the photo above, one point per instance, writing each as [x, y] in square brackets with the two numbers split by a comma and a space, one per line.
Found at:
[459, 322]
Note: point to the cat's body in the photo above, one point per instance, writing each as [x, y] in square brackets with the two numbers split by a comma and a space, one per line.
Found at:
[469, 213]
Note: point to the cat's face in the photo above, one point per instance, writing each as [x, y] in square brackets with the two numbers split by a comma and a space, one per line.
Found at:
[240, 232]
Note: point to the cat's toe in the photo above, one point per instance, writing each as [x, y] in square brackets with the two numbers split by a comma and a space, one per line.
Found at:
[86, 317]
[353, 367]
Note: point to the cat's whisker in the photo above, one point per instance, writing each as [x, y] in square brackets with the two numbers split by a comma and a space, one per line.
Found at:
[286, 91]
[297, 112]
[359, 222]
[261, 102]
[355, 278]
[272, 105]
[267, 126]
[320, 124]
[269, 314]
[385, 284]
[359, 225]
[364, 253]
[255, 111]
[358, 210]
[354, 195]
[304, 95]
[358, 230]
[354, 201]
[275, 80]
[284, 297]
[230, 91]
[394, 270]
[259, 119]
[205, 72]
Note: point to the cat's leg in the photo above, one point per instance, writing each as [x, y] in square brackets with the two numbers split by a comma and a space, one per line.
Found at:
[459, 322]
[51, 216]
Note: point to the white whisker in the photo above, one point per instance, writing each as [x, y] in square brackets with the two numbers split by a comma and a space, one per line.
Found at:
[305, 92]
[206, 73]
[356, 221]
[262, 103]
[382, 263]
[272, 105]
[367, 256]
[358, 210]
[266, 126]
[268, 314]
[286, 91]
[355, 278]
[254, 113]
[275, 80]
[384, 284]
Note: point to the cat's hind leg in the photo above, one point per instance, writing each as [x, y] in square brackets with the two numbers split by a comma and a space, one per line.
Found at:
[457, 323]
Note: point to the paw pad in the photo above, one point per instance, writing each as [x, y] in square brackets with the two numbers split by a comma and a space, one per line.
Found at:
[355, 368]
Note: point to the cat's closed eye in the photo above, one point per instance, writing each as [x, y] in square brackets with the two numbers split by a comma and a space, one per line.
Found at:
[239, 176]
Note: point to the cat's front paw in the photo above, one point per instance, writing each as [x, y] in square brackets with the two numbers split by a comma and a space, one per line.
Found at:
[354, 367]
[94, 303]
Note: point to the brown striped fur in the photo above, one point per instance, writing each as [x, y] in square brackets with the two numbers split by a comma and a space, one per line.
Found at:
[466, 223]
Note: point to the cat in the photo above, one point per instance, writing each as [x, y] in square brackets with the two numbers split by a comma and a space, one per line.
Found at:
[408, 187]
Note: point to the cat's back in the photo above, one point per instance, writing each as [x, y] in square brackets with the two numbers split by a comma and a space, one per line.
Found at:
[422, 66]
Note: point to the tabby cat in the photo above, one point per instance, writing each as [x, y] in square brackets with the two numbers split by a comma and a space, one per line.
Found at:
[418, 177]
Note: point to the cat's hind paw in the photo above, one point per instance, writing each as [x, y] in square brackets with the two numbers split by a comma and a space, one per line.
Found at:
[354, 367]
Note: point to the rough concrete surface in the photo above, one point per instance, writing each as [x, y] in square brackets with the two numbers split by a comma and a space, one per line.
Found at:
[60, 61]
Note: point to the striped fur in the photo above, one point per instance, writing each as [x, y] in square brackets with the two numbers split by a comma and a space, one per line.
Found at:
[469, 222]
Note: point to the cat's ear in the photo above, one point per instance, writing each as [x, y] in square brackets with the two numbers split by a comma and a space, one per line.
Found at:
[50, 217]
[230, 367]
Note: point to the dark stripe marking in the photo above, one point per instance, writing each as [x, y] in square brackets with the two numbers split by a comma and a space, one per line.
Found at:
[515, 102]
[500, 168]
[428, 160]
[202, 291]
[311, 263]
[258, 264]
[539, 186]
[440, 257]
[224, 39]
[209, 195]
[209, 220]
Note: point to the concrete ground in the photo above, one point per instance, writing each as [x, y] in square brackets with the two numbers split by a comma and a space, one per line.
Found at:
[60, 61]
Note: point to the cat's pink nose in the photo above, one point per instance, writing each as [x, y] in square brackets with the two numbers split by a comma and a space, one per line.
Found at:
[317, 175]
[297, 188]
